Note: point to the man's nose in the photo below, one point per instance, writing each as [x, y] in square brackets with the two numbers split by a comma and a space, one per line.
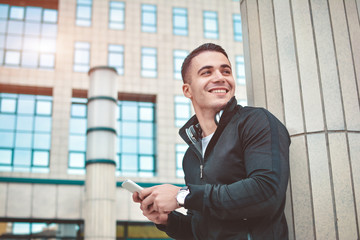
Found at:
[218, 76]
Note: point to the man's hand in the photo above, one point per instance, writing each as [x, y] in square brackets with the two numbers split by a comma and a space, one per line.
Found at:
[161, 198]
[149, 210]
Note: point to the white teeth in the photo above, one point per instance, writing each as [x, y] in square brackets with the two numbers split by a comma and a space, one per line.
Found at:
[219, 91]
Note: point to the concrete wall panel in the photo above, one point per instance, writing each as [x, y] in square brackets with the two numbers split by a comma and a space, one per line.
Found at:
[321, 187]
[19, 200]
[350, 95]
[301, 189]
[307, 64]
[288, 67]
[44, 202]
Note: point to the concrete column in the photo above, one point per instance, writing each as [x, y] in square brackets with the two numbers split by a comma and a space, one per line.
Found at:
[302, 61]
[100, 185]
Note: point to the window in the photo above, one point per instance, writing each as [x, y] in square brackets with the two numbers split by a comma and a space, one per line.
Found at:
[182, 110]
[136, 153]
[148, 62]
[83, 13]
[116, 57]
[41, 230]
[25, 132]
[27, 36]
[82, 57]
[240, 70]
[136, 150]
[237, 27]
[77, 136]
[180, 150]
[180, 21]
[211, 29]
[117, 15]
[148, 18]
[179, 56]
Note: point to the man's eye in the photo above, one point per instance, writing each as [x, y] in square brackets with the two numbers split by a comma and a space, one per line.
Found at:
[206, 72]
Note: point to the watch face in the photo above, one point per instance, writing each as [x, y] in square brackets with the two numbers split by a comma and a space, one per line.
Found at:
[181, 196]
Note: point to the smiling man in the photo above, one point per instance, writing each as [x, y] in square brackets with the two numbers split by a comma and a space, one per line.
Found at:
[236, 167]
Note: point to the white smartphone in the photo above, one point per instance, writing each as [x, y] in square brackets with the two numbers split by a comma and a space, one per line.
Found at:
[131, 186]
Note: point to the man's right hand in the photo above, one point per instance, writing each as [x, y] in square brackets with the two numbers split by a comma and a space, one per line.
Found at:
[150, 213]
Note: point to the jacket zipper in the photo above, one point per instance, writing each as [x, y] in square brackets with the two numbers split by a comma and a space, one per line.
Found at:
[201, 170]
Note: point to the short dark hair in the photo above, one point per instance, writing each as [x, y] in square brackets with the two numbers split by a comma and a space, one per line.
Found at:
[202, 48]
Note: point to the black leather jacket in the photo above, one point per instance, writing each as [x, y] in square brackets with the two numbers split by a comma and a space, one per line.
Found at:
[237, 191]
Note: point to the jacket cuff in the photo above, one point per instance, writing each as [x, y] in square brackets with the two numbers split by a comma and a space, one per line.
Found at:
[195, 200]
[171, 224]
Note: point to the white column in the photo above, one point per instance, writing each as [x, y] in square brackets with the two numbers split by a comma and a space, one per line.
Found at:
[100, 185]
[302, 62]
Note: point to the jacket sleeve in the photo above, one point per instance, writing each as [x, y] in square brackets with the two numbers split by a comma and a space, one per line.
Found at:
[266, 155]
[179, 226]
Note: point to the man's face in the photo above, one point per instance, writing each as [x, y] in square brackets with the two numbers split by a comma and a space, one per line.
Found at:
[211, 82]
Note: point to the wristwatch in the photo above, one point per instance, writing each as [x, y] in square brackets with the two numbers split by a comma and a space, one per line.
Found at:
[181, 195]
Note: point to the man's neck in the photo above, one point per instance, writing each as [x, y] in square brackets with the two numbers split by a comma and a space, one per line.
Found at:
[207, 122]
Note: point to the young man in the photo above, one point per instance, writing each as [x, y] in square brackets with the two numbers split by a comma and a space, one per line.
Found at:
[236, 167]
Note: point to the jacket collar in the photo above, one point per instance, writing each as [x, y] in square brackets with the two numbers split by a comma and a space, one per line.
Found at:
[191, 132]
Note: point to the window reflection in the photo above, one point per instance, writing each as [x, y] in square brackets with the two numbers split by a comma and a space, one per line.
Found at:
[136, 138]
[180, 150]
[237, 27]
[148, 62]
[179, 56]
[116, 57]
[211, 25]
[41, 230]
[24, 32]
[82, 57]
[148, 18]
[83, 13]
[182, 110]
[180, 21]
[29, 131]
[117, 15]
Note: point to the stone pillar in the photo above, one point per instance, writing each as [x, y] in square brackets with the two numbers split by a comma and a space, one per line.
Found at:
[302, 61]
[100, 185]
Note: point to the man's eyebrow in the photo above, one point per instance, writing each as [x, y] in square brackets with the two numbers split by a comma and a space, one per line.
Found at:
[225, 66]
[205, 67]
[209, 67]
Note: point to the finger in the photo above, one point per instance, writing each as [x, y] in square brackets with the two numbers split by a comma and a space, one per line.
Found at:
[146, 192]
[136, 197]
[149, 200]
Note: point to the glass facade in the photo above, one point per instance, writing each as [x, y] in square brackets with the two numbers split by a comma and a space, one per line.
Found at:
[77, 136]
[180, 21]
[237, 27]
[81, 57]
[180, 150]
[117, 15]
[136, 129]
[149, 62]
[182, 110]
[148, 18]
[83, 13]
[211, 26]
[25, 132]
[28, 36]
[74, 230]
[179, 56]
[116, 57]
[137, 139]
[240, 70]
[41, 230]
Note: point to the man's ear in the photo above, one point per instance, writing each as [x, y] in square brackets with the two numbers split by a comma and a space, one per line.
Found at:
[186, 90]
